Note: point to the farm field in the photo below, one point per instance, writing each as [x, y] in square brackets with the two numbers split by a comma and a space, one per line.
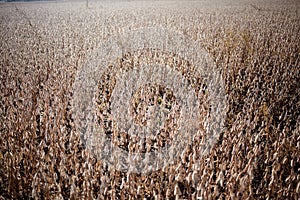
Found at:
[83, 90]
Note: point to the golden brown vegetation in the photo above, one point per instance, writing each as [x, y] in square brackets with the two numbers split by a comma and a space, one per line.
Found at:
[42, 155]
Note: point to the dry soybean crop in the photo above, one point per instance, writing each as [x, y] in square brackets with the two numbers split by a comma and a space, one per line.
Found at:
[150, 99]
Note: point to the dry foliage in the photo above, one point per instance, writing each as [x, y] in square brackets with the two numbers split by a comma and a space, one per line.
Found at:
[42, 155]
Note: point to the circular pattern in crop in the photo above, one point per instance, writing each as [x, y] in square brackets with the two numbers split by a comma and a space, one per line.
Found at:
[158, 93]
